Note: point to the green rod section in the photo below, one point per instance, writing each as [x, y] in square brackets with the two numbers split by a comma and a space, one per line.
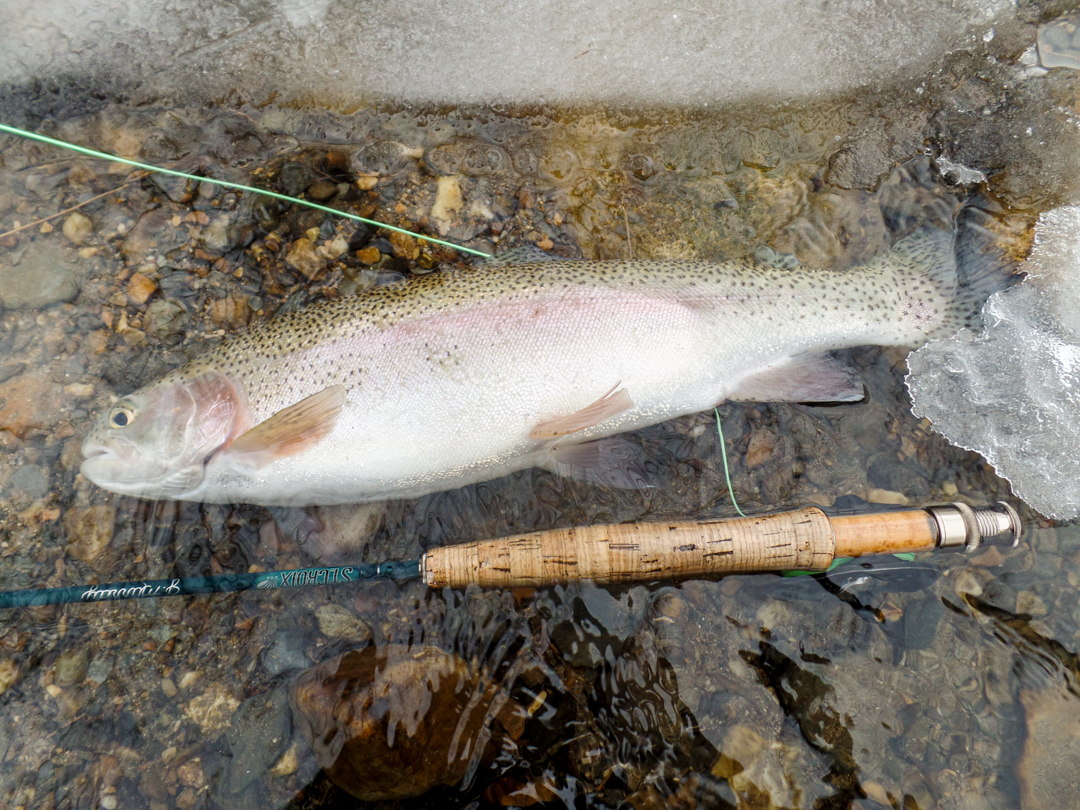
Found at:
[222, 583]
[238, 186]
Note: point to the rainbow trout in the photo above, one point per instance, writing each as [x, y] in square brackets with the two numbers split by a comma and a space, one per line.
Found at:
[458, 377]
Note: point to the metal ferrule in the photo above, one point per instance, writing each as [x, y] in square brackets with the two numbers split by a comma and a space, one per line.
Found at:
[959, 525]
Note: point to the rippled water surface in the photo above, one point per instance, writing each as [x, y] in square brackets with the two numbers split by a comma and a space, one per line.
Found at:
[949, 682]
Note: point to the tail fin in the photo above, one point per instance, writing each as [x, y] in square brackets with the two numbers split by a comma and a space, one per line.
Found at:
[986, 250]
[965, 248]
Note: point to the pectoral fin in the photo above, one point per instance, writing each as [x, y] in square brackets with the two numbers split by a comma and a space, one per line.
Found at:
[805, 378]
[610, 404]
[291, 430]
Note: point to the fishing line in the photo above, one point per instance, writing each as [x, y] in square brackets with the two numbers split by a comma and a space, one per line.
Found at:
[237, 186]
[723, 455]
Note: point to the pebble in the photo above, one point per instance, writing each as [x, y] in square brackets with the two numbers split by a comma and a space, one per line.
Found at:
[54, 690]
[258, 737]
[760, 447]
[213, 709]
[166, 320]
[335, 248]
[169, 688]
[448, 200]
[337, 622]
[369, 255]
[79, 390]
[9, 674]
[89, 531]
[405, 246]
[71, 667]
[322, 190]
[30, 402]
[303, 257]
[189, 679]
[41, 278]
[140, 288]
[875, 495]
[99, 670]
[78, 228]
[231, 312]
[30, 480]
[109, 801]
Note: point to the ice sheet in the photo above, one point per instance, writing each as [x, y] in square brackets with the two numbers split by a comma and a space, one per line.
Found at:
[696, 53]
[1012, 391]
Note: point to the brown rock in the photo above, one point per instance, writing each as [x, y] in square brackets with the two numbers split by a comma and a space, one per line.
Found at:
[89, 531]
[231, 312]
[78, 228]
[30, 402]
[140, 288]
[369, 255]
[393, 722]
[322, 190]
[405, 246]
[1048, 774]
[303, 257]
[760, 448]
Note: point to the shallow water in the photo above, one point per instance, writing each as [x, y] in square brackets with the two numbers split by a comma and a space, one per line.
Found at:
[947, 684]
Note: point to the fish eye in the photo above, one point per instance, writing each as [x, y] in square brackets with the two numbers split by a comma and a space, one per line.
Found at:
[121, 416]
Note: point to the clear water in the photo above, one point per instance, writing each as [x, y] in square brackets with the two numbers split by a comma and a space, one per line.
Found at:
[951, 683]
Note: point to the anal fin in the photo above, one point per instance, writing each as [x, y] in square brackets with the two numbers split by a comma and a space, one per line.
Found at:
[804, 378]
[609, 405]
[291, 430]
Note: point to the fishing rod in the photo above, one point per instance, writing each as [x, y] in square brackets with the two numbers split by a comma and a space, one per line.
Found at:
[805, 539]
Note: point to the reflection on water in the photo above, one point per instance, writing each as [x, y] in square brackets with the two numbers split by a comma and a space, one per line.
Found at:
[916, 689]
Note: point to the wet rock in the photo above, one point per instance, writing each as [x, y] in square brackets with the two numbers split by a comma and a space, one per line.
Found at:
[369, 255]
[287, 652]
[337, 622]
[258, 736]
[41, 277]
[9, 674]
[295, 178]
[405, 245]
[89, 531]
[78, 228]
[71, 667]
[30, 480]
[29, 402]
[213, 710]
[140, 288]
[157, 232]
[322, 190]
[393, 722]
[303, 257]
[1047, 770]
[761, 447]
[166, 320]
[231, 312]
[448, 201]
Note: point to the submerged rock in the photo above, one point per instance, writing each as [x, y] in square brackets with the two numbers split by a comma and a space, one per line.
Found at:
[41, 278]
[394, 722]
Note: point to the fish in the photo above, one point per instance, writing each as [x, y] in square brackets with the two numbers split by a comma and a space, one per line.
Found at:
[467, 375]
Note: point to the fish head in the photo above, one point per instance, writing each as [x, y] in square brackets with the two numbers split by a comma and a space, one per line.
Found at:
[156, 442]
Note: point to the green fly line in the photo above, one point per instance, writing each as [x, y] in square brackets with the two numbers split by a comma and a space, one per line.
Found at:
[723, 455]
[226, 184]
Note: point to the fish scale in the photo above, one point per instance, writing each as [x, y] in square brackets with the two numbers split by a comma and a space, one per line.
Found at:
[443, 380]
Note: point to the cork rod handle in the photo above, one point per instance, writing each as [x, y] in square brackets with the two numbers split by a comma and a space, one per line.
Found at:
[634, 552]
